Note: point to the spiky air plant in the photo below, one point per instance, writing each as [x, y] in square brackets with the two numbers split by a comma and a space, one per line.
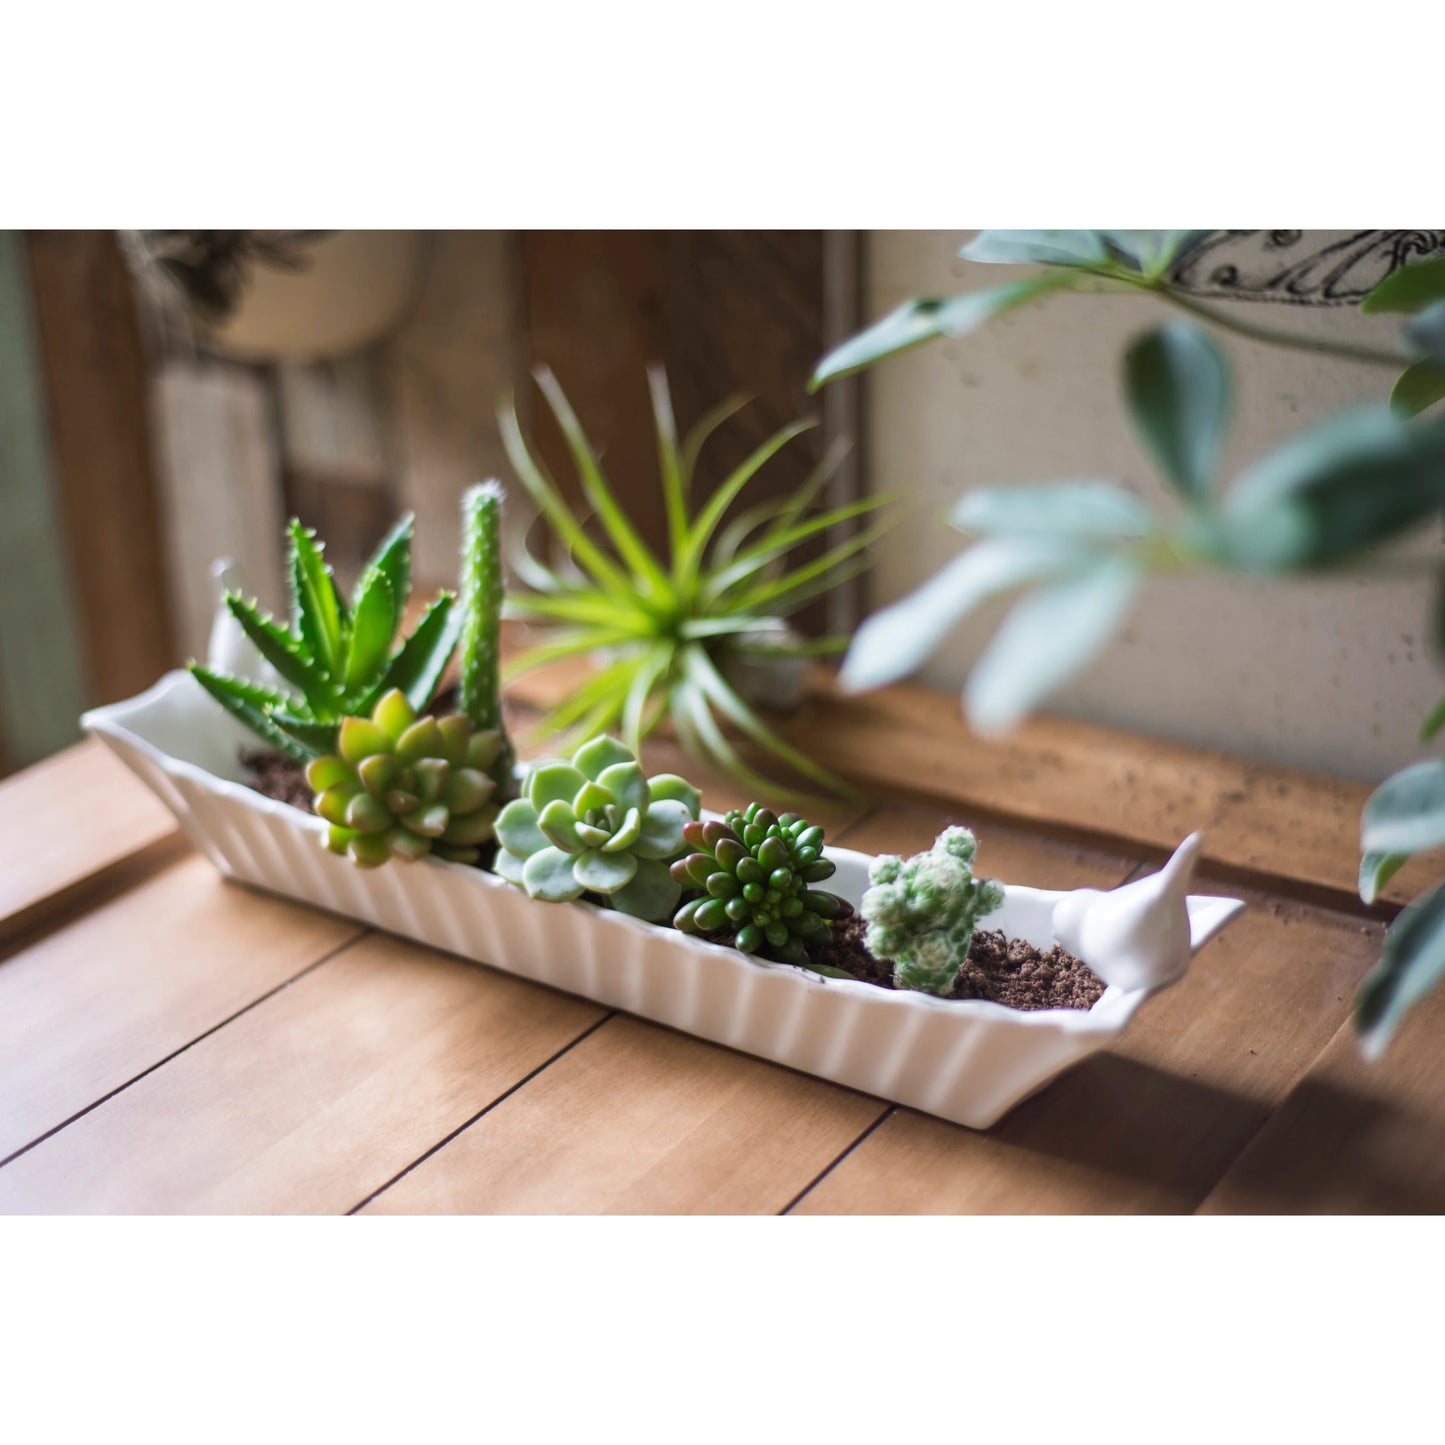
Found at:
[337, 659]
[597, 825]
[662, 627]
[755, 871]
[402, 786]
[922, 910]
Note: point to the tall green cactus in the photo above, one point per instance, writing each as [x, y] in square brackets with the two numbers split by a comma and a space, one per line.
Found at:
[921, 911]
[481, 622]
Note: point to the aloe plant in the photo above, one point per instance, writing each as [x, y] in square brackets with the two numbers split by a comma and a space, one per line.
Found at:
[336, 658]
[662, 626]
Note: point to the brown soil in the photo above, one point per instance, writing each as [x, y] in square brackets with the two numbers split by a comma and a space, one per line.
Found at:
[1001, 970]
[277, 776]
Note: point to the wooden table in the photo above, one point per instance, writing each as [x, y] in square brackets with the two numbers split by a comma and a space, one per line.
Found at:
[173, 1043]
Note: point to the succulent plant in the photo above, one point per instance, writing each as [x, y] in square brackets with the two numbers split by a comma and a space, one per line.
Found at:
[922, 911]
[404, 786]
[754, 869]
[600, 825]
[336, 660]
[481, 608]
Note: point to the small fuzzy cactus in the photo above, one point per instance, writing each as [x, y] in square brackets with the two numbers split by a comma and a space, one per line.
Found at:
[597, 825]
[922, 911]
[481, 607]
[754, 869]
[404, 786]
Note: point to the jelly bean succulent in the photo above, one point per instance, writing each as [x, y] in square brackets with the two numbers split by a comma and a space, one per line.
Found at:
[404, 786]
[922, 911]
[754, 870]
[597, 825]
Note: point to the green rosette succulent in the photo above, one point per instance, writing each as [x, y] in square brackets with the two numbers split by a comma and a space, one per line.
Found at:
[404, 786]
[599, 825]
[922, 911]
[754, 870]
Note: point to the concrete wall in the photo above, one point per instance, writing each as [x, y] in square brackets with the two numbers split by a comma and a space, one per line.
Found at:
[1329, 675]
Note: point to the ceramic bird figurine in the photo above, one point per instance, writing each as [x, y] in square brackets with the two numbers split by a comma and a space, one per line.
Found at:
[1136, 936]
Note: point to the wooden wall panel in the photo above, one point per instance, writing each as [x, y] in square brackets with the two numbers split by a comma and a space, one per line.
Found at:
[95, 384]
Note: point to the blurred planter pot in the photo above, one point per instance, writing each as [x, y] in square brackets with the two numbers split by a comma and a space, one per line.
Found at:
[767, 679]
[966, 1061]
[337, 292]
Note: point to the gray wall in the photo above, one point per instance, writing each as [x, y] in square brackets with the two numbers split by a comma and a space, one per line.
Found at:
[1329, 675]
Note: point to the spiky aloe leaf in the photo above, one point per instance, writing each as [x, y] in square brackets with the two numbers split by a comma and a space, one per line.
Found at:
[373, 625]
[392, 559]
[417, 669]
[316, 737]
[252, 704]
[285, 653]
[316, 606]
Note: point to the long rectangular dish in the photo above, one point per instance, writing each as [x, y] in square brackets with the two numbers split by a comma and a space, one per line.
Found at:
[965, 1061]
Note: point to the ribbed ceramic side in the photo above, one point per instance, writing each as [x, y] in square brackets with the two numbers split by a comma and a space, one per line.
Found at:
[967, 1062]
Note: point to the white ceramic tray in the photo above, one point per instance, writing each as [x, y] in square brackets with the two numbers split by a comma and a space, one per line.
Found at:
[969, 1062]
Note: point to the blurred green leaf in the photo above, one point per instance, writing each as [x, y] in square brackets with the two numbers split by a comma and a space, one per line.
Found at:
[1150, 252]
[1063, 509]
[1417, 388]
[1051, 248]
[392, 558]
[417, 668]
[1434, 721]
[1408, 288]
[316, 601]
[373, 623]
[1050, 635]
[1376, 870]
[1426, 333]
[1412, 963]
[895, 641]
[1333, 491]
[1406, 813]
[1178, 388]
[252, 705]
[915, 322]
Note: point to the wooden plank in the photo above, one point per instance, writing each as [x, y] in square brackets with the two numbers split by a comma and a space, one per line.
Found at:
[1152, 1124]
[1353, 1137]
[639, 1119]
[1266, 826]
[311, 1101]
[95, 383]
[42, 687]
[71, 827]
[91, 1006]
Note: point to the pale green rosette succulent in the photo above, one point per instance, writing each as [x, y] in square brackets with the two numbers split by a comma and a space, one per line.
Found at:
[597, 825]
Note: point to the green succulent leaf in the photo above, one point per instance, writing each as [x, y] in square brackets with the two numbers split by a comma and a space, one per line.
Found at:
[517, 829]
[417, 668]
[558, 823]
[1062, 509]
[895, 641]
[1406, 813]
[551, 781]
[286, 654]
[317, 605]
[670, 787]
[1408, 288]
[252, 704]
[604, 872]
[373, 625]
[596, 757]
[1411, 964]
[1178, 388]
[628, 782]
[660, 835]
[549, 875]
[917, 322]
[392, 559]
[652, 894]
[1046, 639]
